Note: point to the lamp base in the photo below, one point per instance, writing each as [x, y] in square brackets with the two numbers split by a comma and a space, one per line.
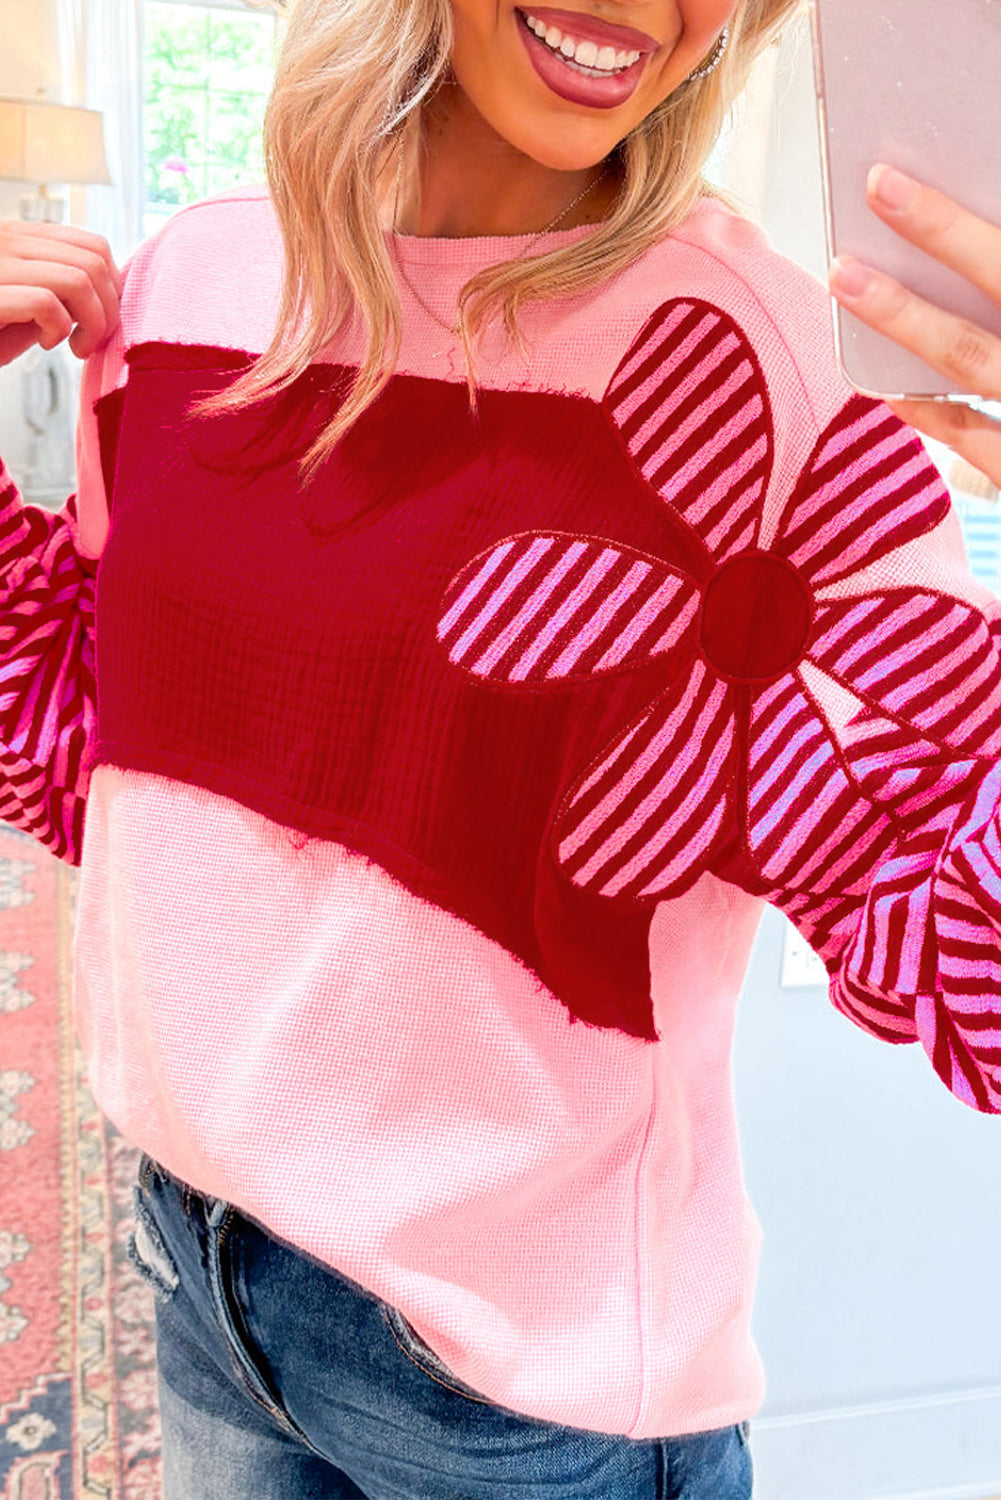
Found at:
[39, 208]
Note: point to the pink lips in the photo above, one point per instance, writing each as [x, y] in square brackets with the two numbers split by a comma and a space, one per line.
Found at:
[575, 86]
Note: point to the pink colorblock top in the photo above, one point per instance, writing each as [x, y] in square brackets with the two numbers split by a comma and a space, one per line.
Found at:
[430, 808]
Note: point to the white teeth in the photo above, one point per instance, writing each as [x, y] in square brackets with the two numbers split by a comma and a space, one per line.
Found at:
[587, 55]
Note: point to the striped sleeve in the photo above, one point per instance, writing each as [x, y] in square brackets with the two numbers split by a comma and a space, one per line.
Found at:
[47, 694]
[905, 904]
[918, 957]
[925, 960]
[48, 567]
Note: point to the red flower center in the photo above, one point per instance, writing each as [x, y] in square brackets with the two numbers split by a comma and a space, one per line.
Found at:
[757, 611]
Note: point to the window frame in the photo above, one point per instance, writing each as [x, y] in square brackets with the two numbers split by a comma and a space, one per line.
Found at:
[154, 213]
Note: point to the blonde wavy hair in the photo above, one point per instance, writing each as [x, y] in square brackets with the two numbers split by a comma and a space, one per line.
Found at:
[352, 78]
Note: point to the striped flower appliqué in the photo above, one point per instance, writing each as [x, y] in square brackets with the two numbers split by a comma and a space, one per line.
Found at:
[814, 719]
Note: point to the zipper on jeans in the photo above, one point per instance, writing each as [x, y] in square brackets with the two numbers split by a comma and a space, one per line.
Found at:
[251, 1377]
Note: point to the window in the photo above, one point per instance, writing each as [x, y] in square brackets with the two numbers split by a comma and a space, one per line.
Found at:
[208, 72]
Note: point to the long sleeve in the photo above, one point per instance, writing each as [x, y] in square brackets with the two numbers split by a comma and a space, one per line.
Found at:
[47, 693]
[47, 685]
[918, 957]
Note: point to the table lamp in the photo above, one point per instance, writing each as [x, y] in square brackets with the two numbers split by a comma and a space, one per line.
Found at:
[45, 143]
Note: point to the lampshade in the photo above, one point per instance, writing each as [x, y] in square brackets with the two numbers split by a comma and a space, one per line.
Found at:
[44, 143]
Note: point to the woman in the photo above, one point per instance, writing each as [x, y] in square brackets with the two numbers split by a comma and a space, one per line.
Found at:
[464, 691]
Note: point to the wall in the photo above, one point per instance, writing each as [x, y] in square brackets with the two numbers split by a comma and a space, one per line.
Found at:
[29, 53]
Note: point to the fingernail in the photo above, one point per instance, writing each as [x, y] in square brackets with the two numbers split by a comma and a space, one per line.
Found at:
[849, 277]
[892, 188]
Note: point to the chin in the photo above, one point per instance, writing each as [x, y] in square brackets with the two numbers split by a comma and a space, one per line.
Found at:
[573, 154]
[576, 163]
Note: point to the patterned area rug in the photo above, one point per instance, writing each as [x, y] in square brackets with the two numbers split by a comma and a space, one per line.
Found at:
[78, 1415]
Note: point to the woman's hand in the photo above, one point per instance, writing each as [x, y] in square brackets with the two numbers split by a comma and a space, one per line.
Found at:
[56, 282]
[961, 350]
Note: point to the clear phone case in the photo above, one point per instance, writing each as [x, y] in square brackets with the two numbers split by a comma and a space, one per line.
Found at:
[917, 84]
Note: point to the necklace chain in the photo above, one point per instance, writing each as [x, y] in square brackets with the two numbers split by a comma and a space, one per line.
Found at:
[709, 66]
[453, 328]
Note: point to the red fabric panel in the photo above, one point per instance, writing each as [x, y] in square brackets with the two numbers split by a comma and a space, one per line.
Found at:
[278, 645]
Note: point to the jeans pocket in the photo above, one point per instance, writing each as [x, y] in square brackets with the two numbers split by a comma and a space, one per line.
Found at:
[147, 1251]
[409, 1342]
[744, 1432]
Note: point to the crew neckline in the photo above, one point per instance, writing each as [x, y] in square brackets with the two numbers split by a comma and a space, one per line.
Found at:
[475, 250]
[416, 249]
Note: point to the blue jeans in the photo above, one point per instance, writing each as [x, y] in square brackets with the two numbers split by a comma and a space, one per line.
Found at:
[282, 1380]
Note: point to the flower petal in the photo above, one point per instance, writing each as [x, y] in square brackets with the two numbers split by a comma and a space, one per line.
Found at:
[868, 487]
[925, 660]
[808, 826]
[691, 404]
[643, 821]
[548, 607]
[918, 783]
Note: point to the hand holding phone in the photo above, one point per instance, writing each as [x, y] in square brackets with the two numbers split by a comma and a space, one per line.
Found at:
[913, 84]
[957, 348]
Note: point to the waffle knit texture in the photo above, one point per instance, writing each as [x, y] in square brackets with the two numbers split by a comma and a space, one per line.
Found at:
[426, 812]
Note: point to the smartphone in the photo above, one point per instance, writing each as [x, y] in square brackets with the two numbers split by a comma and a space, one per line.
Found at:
[916, 84]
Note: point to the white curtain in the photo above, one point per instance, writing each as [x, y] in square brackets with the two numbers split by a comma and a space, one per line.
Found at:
[101, 52]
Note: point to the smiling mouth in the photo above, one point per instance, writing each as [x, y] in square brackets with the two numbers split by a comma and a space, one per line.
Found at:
[582, 56]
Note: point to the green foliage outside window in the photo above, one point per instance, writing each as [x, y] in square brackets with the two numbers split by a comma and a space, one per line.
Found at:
[208, 75]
